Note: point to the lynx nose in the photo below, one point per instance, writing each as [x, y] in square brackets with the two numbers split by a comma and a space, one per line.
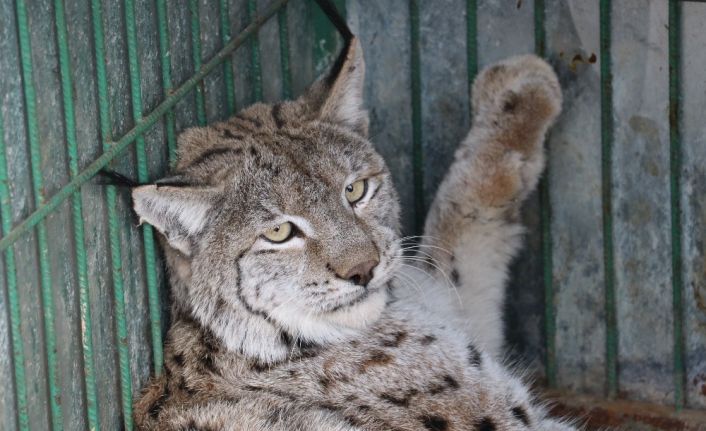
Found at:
[362, 273]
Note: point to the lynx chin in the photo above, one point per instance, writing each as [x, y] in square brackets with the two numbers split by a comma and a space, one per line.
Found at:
[296, 303]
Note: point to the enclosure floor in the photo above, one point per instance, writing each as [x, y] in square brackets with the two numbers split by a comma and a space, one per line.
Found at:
[598, 413]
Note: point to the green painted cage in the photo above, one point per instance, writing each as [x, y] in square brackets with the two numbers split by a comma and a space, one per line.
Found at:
[607, 304]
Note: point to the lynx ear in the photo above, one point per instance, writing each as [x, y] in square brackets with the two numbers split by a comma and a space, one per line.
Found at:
[338, 97]
[178, 213]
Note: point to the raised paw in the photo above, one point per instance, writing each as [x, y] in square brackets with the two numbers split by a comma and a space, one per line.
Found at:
[514, 103]
[517, 100]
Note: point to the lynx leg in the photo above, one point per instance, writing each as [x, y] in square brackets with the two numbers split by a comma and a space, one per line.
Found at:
[474, 214]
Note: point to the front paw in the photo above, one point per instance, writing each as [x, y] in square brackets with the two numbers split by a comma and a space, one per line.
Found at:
[514, 103]
[520, 96]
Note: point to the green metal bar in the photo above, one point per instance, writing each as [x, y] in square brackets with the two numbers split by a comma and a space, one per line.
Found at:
[417, 151]
[228, 64]
[255, 69]
[38, 190]
[117, 147]
[284, 53]
[471, 41]
[675, 166]
[607, 198]
[545, 209]
[113, 225]
[151, 267]
[196, 58]
[166, 62]
[13, 298]
[540, 32]
[77, 215]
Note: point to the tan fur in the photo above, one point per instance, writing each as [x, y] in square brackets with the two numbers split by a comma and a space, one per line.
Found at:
[495, 168]
[274, 336]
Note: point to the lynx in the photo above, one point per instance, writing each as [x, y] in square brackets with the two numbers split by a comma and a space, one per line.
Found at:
[296, 303]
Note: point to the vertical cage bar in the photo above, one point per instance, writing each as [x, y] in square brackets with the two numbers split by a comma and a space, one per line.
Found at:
[196, 58]
[417, 152]
[228, 64]
[675, 168]
[77, 215]
[284, 53]
[143, 177]
[113, 226]
[166, 63]
[540, 37]
[13, 299]
[471, 42]
[607, 197]
[255, 68]
[37, 190]
[545, 209]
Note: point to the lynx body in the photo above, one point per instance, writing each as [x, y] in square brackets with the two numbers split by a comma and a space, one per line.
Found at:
[297, 306]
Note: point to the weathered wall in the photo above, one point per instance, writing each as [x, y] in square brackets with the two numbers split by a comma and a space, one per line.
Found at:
[564, 279]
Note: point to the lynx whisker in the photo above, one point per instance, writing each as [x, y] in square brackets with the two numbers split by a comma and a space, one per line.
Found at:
[449, 284]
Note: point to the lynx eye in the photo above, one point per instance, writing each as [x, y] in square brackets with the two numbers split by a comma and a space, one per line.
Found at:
[356, 191]
[280, 233]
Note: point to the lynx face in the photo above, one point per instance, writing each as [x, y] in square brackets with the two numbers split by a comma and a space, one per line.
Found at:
[281, 220]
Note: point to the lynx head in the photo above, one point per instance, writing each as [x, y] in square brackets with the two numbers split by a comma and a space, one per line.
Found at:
[281, 224]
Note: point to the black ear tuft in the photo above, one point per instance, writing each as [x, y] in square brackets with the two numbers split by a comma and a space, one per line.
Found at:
[112, 178]
[340, 23]
[174, 181]
[338, 98]
[336, 19]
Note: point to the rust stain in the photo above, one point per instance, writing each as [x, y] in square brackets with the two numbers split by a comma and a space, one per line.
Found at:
[700, 304]
[575, 61]
[578, 59]
[700, 379]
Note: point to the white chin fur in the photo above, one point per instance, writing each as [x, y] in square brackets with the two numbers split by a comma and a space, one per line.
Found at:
[362, 314]
[331, 327]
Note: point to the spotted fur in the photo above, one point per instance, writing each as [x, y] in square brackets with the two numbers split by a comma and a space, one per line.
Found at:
[279, 336]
